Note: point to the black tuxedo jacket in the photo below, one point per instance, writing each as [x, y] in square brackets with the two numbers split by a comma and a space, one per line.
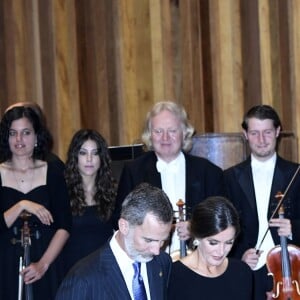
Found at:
[98, 277]
[240, 190]
[203, 179]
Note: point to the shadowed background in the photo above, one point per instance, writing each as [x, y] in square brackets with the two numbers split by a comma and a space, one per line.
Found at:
[102, 64]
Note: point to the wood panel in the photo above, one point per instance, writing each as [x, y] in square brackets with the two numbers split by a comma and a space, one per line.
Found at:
[66, 99]
[227, 63]
[228, 149]
[136, 69]
[266, 50]
[285, 65]
[96, 66]
[102, 64]
[294, 26]
[251, 72]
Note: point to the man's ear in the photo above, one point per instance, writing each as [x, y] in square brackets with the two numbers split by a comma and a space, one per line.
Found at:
[123, 226]
[245, 134]
[278, 129]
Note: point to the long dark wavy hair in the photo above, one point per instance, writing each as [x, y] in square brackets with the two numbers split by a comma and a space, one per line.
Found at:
[43, 144]
[105, 183]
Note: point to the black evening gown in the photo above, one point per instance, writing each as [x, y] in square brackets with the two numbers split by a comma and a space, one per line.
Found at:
[234, 284]
[88, 234]
[54, 197]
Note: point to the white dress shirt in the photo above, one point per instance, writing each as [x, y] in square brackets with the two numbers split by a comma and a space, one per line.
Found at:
[125, 264]
[262, 173]
[173, 182]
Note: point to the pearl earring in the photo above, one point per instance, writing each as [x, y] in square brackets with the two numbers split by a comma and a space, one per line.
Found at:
[196, 243]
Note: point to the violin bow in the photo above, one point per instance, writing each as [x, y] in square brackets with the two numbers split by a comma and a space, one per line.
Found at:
[278, 206]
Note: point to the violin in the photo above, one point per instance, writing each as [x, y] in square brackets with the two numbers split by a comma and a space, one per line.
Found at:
[181, 217]
[283, 263]
[182, 252]
[25, 260]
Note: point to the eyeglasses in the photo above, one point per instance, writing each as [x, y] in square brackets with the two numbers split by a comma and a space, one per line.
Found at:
[170, 131]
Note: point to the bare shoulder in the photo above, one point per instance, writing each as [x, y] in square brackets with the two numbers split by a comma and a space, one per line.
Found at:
[38, 164]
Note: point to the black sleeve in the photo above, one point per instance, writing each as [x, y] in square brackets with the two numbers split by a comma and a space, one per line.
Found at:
[60, 203]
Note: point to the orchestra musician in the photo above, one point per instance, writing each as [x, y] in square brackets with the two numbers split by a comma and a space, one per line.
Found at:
[28, 183]
[92, 191]
[252, 186]
[51, 157]
[168, 137]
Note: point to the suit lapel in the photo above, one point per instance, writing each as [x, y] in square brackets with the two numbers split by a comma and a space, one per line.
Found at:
[189, 175]
[194, 179]
[245, 180]
[152, 176]
[278, 180]
[115, 282]
[155, 278]
[283, 174]
[279, 184]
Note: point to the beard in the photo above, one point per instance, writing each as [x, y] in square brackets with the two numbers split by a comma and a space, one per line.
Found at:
[264, 154]
[135, 254]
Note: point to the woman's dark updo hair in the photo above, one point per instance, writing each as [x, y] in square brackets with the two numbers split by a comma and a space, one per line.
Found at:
[213, 215]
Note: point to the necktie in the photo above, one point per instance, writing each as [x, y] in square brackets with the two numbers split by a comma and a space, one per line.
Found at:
[138, 288]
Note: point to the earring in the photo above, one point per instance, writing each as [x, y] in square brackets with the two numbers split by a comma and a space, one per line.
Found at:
[196, 243]
[35, 145]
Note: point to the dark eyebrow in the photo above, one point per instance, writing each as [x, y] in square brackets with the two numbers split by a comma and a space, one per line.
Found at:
[94, 149]
[149, 239]
[12, 129]
[154, 240]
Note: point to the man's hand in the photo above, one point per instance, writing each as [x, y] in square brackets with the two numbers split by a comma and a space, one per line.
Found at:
[183, 230]
[284, 226]
[250, 257]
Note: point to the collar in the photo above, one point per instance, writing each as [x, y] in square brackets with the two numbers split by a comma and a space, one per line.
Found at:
[258, 164]
[172, 166]
[122, 258]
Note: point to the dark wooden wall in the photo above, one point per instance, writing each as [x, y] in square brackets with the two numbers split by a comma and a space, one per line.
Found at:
[103, 63]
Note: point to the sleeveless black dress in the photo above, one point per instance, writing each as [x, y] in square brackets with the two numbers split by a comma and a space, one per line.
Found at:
[54, 197]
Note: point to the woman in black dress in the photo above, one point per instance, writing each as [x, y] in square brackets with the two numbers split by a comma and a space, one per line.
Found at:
[28, 184]
[92, 191]
[207, 273]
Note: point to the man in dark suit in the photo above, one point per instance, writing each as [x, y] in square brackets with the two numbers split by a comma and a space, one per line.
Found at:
[253, 186]
[144, 226]
[168, 137]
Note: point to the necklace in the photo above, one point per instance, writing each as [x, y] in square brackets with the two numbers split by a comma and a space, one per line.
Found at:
[25, 182]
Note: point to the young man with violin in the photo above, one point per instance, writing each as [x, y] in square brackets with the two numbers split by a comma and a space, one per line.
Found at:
[253, 186]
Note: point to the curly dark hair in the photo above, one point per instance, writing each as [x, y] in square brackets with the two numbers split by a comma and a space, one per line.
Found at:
[42, 147]
[105, 183]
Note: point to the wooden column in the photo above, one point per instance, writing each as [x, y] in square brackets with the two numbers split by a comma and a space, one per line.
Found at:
[226, 64]
[294, 17]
